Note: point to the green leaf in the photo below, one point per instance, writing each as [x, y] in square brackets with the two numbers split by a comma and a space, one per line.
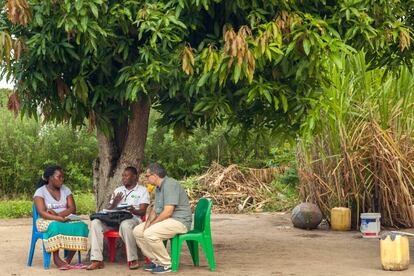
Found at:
[39, 20]
[276, 103]
[268, 54]
[78, 5]
[236, 73]
[72, 53]
[251, 96]
[94, 9]
[290, 47]
[84, 23]
[199, 106]
[39, 77]
[306, 46]
[95, 98]
[203, 80]
[177, 22]
[81, 89]
[337, 60]
[267, 95]
[284, 102]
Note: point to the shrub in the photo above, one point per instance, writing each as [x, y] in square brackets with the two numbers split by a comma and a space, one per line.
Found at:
[26, 147]
[15, 208]
[85, 204]
[184, 156]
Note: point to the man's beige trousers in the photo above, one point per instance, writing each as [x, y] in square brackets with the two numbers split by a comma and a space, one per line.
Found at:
[125, 231]
[151, 239]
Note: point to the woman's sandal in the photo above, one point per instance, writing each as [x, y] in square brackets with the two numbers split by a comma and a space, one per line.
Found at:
[78, 266]
[65, 267]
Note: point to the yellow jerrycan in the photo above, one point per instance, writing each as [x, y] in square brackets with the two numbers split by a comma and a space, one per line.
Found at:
[395, 252]
[341, 219]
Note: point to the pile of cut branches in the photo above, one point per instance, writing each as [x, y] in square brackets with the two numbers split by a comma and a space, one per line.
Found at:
[235, 190]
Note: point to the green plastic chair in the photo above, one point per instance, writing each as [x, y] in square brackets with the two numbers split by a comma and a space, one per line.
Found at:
[201, 234]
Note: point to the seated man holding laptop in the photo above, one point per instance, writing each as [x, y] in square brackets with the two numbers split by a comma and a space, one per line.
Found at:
[129, 194]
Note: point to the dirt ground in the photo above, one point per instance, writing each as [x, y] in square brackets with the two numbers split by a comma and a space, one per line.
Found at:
[256, 244]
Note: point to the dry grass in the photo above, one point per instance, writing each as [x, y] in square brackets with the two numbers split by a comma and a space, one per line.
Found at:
[235, 190]
[374, 173]
[362, 156]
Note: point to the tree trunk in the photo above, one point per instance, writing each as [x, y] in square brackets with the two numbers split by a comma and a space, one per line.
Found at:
[125, 148]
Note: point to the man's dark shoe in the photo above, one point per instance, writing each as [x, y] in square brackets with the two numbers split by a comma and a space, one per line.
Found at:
[149, 267]
[160, 269]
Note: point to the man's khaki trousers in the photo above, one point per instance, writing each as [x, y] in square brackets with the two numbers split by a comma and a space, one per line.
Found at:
[151, 239]
[125, 232]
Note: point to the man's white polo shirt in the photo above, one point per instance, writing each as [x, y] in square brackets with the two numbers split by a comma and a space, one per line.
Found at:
[136, 196]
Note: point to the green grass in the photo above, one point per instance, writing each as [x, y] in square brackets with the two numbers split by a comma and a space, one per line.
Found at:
[15, 208]
[85, 203]
[287, 195]
[18, 208]
[285, 199]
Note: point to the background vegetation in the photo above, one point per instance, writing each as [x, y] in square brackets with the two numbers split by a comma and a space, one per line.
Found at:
[268, 66]
[186, 155]
[27, 146]
[360, 153]
[16, 208]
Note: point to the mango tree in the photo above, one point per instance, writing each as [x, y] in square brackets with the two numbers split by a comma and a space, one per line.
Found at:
[254, 63]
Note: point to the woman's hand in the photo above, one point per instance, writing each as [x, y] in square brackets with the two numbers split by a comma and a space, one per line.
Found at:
[45, 213]
[61, 219]
[61, 215]
[52, 212]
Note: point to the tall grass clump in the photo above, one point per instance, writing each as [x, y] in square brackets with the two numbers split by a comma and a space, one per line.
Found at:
[357, 150]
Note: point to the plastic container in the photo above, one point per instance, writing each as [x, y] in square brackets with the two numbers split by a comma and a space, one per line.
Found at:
[370, 225]
[341, 219]
[395, 252]
[150, 187]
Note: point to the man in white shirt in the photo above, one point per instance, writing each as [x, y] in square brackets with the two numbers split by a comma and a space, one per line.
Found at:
[128, 194]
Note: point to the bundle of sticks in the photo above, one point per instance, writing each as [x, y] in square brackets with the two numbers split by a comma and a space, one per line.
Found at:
[234, 189]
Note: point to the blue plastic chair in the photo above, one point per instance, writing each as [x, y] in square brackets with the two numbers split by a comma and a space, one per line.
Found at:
[39, 235]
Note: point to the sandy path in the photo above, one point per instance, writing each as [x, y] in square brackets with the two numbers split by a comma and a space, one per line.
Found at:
[257, 244]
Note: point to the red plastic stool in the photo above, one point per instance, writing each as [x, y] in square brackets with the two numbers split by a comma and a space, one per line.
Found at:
[112, 235]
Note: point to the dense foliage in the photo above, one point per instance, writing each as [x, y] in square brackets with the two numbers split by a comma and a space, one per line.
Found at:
[26, 147]
[245, 64]
[258, 63]
[188, 155]
[16, 208]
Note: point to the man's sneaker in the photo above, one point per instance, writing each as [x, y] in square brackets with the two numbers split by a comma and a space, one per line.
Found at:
[149, 267]
[159, 269]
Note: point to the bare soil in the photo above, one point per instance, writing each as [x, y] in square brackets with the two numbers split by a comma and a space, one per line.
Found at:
[254, 244]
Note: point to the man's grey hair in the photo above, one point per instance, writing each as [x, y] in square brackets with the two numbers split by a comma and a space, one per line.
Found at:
[157, 169]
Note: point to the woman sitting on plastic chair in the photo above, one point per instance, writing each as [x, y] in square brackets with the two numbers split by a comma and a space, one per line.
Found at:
[54, 202]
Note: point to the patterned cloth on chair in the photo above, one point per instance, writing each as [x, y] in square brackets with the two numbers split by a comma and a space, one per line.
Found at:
[63, 235]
